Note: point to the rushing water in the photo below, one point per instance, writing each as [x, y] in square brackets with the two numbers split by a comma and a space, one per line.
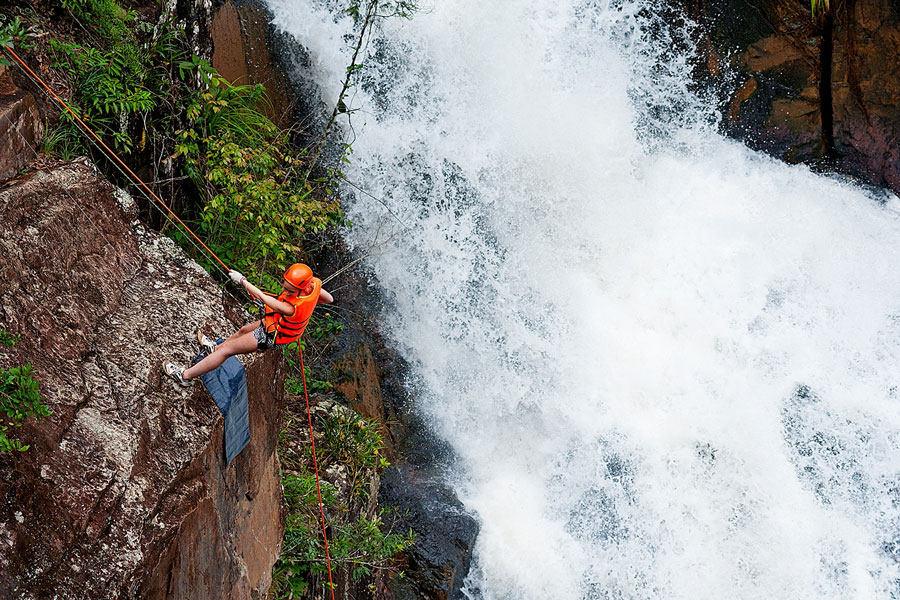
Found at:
[668, 365]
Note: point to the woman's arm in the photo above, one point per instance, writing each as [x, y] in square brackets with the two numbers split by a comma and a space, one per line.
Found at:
[277, 305]
[325, 297]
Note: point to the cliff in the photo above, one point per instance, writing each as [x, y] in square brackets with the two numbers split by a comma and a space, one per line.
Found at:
[368, 375]
[823, 91]
[123, 492]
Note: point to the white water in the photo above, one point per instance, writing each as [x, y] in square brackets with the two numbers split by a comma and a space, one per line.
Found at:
[668, 365]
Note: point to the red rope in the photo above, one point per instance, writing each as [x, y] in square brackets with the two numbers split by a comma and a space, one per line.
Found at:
[113, 154]
[312, 441]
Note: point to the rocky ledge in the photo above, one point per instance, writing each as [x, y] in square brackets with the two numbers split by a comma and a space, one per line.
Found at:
[818, 90]
[124, 492]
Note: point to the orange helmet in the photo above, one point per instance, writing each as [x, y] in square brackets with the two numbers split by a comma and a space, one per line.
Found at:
[298, 275]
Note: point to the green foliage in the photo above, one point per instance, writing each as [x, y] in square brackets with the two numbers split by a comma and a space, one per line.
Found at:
[135, 85]
[295, 386]
[63, 141]
[9, 339]
[110, 85]
[324, 327]
[13, 34]
[106, 17]
[359, 9]
[258, 206]
[819, 7]
[20, 398]
[118, 81]
[350, 452]
[354, 441]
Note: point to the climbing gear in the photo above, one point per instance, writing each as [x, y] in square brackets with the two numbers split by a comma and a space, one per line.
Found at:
[264, 339]
[208, 345]
[289, 328]
[175, 372]
[298, 275]
[236, 277]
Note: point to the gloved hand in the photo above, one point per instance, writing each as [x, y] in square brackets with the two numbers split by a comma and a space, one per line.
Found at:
[236, 277]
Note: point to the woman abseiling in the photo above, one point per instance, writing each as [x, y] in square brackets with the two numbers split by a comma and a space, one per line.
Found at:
[285, 320]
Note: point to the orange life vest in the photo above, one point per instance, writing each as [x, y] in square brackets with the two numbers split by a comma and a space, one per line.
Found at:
[289, 328]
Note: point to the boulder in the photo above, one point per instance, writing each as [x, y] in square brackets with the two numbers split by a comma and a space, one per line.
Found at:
[124, 492]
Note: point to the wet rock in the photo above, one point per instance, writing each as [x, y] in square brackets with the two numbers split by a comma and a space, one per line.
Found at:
[376, 381]
[123, 493]
[438, 562]
[768, 55]
[822, 91]
[20, 126]
[358, 379]
[866, 90]
[250, 48]
[240, 31]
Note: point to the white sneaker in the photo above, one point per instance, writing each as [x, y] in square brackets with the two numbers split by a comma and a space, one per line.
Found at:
[174, 371]
[206, 344]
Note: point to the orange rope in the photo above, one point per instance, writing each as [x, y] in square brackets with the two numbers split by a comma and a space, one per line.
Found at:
[312, 441]
[111, 153]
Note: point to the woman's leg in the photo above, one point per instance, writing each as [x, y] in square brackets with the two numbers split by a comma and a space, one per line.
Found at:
[239, 343]
[248, 328]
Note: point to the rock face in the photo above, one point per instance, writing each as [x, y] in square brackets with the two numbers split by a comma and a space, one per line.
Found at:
[803, 89]
[124, 493]
[866, 89]
[374, 379]
[241, 55]
[248, 48]
[20, 126]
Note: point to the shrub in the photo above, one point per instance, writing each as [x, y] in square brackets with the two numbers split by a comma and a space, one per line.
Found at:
[360, 542]
[258, 206]
[109, 87]
[13, 33]
[9, 339]
[20, 398]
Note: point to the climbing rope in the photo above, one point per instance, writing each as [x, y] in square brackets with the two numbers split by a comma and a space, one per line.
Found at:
[171, 215]
[112, 154]
[312, 441]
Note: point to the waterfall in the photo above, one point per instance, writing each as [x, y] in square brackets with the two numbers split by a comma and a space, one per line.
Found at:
[667, 364]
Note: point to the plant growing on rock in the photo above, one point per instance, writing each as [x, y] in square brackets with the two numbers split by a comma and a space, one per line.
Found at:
[819, 8]
[350, 462]
[9, 339]
[257, 208]
[13, 33]
[20, 398]
[109, 87]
